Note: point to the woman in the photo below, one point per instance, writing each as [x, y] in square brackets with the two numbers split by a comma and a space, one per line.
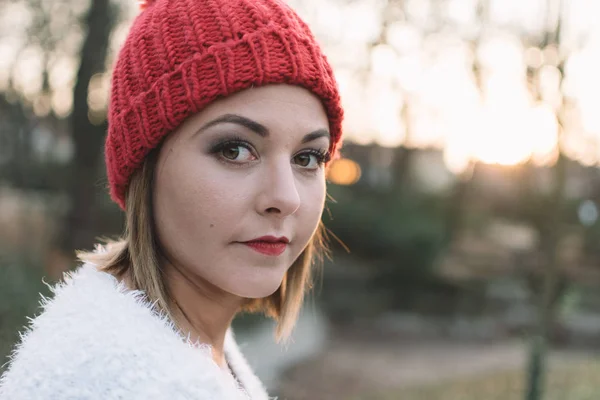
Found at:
[222, 118]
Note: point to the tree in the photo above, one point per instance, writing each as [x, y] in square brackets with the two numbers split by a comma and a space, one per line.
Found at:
[88, 138]
[65, 48]
[550, 219]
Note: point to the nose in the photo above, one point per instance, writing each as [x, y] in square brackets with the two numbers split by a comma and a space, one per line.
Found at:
[279, 195]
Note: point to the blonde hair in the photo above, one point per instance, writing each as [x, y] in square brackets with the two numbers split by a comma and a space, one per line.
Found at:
[136, 255]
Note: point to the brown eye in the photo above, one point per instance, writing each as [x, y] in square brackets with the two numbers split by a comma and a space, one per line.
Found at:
[303, 160]
[234, 151]
[310, 160]
[237, 152]
[231, 152]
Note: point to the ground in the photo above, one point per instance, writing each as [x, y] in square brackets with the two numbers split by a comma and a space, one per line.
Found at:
[352, 367]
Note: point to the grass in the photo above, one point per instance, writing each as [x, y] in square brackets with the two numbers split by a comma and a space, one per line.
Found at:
[573, 381]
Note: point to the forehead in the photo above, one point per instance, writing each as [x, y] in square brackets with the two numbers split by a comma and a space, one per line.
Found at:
[286, 107]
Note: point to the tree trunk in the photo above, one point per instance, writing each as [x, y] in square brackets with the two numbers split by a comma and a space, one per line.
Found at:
[79, 231]
[549, 297]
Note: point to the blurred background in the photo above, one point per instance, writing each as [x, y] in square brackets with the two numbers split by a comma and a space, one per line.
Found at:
[463, 216]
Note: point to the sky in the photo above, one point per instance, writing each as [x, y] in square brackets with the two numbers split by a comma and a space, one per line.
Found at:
[431, 76]
[419, 88]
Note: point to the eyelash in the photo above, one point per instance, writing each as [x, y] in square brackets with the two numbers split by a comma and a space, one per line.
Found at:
[234, 141]
[323, 156]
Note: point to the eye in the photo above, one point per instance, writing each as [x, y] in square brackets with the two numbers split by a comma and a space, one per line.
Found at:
[311, 159]
[235, 151]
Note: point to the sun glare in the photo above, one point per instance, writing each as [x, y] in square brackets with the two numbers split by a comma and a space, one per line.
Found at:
[489, 115]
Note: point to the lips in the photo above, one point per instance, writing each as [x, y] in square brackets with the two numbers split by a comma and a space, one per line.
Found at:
[268, 245]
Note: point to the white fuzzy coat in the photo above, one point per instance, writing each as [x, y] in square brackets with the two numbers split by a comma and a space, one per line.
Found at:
[97, 340]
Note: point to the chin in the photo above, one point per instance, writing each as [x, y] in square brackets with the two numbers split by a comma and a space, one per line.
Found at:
[256, 290]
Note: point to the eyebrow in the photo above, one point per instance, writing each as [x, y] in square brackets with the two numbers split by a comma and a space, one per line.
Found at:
[258, 128]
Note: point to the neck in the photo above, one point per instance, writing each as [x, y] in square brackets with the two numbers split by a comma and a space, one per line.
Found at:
[200, 309]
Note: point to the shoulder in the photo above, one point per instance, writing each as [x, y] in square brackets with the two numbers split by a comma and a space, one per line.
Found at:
[97, 340]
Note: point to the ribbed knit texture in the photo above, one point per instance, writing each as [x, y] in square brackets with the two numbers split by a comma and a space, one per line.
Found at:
[180, 55]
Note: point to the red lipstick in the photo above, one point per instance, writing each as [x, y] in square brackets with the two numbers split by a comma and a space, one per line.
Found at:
[268, 245]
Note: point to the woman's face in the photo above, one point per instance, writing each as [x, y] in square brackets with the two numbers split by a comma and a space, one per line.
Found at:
[240, 188]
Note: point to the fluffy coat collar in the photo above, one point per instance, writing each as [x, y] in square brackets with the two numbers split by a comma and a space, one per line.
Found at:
[95, 339]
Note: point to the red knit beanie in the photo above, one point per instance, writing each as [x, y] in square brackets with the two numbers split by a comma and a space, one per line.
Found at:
[180, 55]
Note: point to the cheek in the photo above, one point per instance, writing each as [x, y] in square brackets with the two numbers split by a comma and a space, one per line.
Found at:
[193, 203]
[313, 202]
